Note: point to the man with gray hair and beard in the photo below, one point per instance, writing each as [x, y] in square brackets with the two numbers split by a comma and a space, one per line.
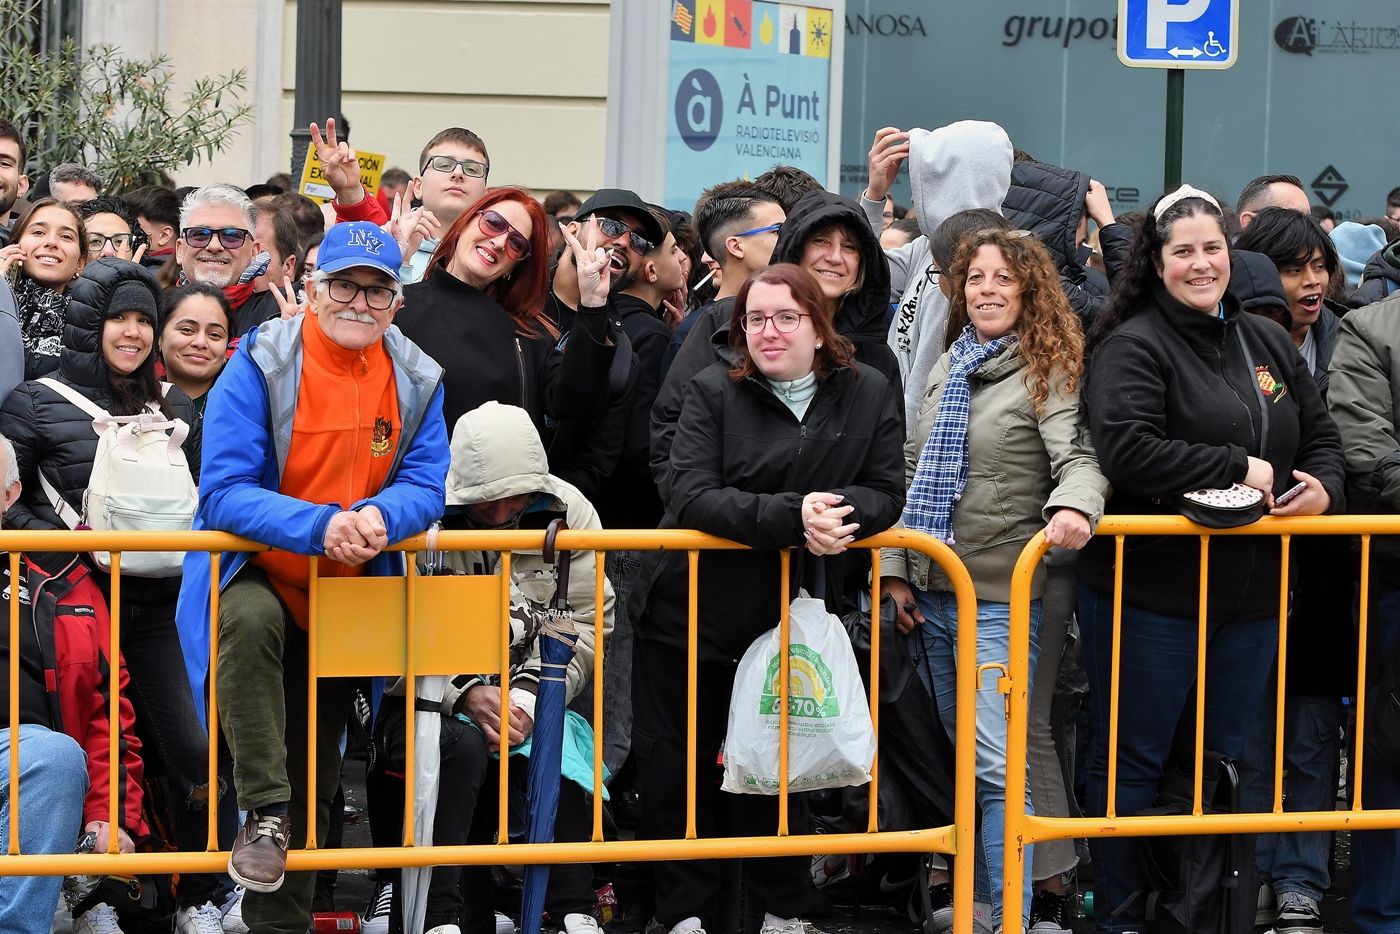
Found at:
[218, 246]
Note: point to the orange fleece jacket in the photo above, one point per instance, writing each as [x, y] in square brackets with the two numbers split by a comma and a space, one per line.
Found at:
[344, 434]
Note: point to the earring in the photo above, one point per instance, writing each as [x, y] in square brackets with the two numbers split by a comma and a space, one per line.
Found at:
[819, 345]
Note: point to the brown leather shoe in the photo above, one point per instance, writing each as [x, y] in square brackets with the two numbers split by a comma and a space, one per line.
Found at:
[258, 860]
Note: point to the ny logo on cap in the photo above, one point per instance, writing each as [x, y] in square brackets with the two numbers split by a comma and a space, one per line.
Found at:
[362, 238]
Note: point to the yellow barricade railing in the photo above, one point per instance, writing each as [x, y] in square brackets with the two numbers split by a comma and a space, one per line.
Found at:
[1023, 830]
[396, 626]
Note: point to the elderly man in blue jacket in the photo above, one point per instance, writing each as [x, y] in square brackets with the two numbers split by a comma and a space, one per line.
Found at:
[327, 438]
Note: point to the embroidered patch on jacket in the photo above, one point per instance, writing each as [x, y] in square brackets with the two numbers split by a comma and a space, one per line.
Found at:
[1273, 389]
[381, 443]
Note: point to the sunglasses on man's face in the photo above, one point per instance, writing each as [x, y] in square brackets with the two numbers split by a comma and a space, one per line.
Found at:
[493, 225]
[231, 238]
[612, 228]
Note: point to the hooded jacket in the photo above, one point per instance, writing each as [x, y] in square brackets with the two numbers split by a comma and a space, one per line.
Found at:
[52, 435]
[1380, 278]
[1048, 200]
[254, 405]
[863, 317]
[1022, 466]
[954, 168]
[496, 453]
[742, 464]
[69, 618]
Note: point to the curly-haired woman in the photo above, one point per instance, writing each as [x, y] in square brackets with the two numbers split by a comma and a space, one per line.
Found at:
[998, 453]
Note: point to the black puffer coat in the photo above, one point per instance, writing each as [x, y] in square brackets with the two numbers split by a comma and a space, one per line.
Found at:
[742, 464]
[51, 434]
[1048, 200]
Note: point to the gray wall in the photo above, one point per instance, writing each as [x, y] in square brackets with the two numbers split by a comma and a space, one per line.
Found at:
[1056, 85]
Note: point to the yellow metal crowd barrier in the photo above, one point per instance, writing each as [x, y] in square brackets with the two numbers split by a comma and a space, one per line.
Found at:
[412, 626]
[1023, 830]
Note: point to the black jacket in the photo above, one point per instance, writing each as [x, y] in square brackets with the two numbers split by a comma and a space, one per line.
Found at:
[863, 317]
[51, 434]
[584, 448]
[260, 307]
[484, 358]
[1049, 201]
[707, 342]
[1173, 407]
[628, 498]
[742, 464]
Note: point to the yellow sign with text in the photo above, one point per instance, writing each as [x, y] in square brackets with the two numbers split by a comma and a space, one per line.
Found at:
[313, 180]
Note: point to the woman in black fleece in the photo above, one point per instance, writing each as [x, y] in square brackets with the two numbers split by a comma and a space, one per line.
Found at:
[1182, 388]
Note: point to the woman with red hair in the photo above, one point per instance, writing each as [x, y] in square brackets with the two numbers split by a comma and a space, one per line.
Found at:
[479, 309]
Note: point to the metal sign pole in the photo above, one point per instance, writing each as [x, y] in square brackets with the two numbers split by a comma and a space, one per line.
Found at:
[1176, 100]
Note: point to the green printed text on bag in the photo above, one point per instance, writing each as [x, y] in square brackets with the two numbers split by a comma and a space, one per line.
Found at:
[810, 691]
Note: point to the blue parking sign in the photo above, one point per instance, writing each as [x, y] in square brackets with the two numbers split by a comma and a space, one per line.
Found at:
[1178, 33]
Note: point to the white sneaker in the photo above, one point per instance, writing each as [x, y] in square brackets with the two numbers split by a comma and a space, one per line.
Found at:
[375, 920]
[444, 929]
[99, 919]
[581, 924]
[233, 912]
[787, 926]
[690, 925]
[504, 925]
[206, 919]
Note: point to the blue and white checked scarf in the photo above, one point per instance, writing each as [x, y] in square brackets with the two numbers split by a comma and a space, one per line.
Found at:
[942, 471]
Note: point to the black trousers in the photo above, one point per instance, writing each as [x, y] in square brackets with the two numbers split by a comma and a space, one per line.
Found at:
[687, 888]
[469, 776]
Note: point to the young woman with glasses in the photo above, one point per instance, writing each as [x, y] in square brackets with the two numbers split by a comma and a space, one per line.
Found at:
[478, 310]
[795, 447]
[998, 452]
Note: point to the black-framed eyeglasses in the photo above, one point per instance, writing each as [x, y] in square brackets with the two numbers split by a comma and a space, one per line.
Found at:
[231, 238]
[119, 241]
[612, 228]
[447, 165]
[377, 297]
[784, 321]
[758, 230]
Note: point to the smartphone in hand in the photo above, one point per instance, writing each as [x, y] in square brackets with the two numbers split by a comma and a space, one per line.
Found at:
[1289, 495]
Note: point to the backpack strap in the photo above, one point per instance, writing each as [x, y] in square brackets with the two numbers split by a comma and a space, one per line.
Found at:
[97, 412]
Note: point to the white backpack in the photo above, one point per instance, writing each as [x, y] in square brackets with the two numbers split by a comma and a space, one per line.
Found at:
[140, 480]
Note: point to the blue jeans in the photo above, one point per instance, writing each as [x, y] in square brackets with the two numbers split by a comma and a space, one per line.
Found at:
[1294, 862]
[1157, 682]
[52, 782]
[934, 647]
[1375, 854]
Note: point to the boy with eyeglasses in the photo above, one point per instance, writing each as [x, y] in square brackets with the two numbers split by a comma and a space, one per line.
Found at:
[452, 170]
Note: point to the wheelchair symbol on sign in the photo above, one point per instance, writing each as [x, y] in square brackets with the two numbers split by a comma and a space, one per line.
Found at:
[1213, 49]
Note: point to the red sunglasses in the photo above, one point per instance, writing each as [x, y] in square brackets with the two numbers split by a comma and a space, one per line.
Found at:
[493, 225]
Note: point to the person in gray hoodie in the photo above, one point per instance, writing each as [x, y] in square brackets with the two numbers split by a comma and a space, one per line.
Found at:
[954, 168]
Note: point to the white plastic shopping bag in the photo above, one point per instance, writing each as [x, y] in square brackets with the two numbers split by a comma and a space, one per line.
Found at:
[831, 741]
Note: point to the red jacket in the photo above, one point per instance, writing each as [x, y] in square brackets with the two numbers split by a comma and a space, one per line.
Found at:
[72, 622]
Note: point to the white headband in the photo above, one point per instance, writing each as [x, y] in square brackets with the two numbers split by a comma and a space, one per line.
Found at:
[1185, 191]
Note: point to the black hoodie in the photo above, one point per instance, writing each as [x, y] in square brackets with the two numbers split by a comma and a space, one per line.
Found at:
[54, 435]
[864, 315]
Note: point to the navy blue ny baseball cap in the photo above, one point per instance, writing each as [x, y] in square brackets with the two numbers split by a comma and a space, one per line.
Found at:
[359, 243]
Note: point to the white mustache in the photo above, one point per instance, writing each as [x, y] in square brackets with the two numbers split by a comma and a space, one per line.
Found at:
[354, 316]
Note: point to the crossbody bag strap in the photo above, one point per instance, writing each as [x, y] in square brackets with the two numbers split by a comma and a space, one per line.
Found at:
[1258, 391]
[70, 516]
